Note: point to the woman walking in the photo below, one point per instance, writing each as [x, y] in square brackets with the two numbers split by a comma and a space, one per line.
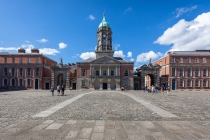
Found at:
[52, 90]
[62, 89]
[162, 90]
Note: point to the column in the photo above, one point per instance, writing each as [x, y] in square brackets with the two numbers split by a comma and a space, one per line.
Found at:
[100, 70]
[108, 71]
[67, 80]
[116, 70]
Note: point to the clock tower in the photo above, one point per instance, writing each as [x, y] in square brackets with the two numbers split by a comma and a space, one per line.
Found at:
[104, 39]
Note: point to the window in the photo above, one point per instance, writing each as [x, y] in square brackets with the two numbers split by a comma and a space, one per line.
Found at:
[197, 83]
[205, 72]
[104, 42]
[29, 60]
[45, 61]
[112, 72]
[160, 72]
[13, 82]
[28, 71]
[181, 83]
[173, 72]
[21, 72]
[181, 72]
[188, 60]
[13, 60]
[189, 83]
[5, 60]
[189, 74]
[5, 71]
[21, 60]
[126, 72]
[173, 60]
[97, 72]
[83, 72]
[28, 82]
[205, 83]
[5, 82]
[13, 72]
[104, 72]
[21, 82]
[204, 60]
[37, 72]
[197, 72]
[196, 60]
[160, 63]
[83, 83]
[180, 60]
[37, 60]
[126, 83]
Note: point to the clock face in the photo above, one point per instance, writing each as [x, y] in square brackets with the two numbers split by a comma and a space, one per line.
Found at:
[104, 35]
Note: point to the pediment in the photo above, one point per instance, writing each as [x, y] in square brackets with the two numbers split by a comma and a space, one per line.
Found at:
[104, 60]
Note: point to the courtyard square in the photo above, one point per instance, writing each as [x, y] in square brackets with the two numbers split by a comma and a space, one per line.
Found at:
[118, 115]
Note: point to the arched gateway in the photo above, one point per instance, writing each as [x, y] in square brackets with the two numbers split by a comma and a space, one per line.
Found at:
[150, 75]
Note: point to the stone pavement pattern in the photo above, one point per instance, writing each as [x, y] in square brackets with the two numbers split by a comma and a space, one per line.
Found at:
[104, 115]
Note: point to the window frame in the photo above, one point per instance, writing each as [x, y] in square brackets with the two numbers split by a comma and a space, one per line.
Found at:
[197, 72]
[189, 74]
[37, 59]
[205, 84]
[28, 82]
[13, 72]
[188, 60]
[97, 73]
[196, 60]
[5, 72]
[36, 72]
[5, 59]
[104, 73]
[189, 83]
[83, 83]
[21, 60]
[126, 72]
[112, 74]
[173, 73]
[181, 83]
[197, 83]
[204, 60]
[13, 84]
[29, 60]
[173, 60]
[83, 72]
[5, 82]
[28, 72]
[206, 72]
[13, 60]
[180, 60]
[181, 72]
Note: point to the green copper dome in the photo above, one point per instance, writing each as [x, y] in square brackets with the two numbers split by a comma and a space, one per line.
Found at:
[104, 23]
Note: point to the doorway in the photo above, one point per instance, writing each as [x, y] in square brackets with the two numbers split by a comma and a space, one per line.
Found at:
[36, 84]
[173, 84]
[136, 86]
[47, 86]
[104, 85]
[74, 86]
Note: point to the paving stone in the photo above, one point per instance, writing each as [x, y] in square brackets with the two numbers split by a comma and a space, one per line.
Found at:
[98, 129]
[54, 126]
[97, 136]
[85, 133]
[72, 134]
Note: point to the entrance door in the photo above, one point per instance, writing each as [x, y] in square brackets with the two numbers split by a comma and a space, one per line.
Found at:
[104, 85]
[47, 86]
[173, 84]
[36, 83]
[74, 86]
[136, 85]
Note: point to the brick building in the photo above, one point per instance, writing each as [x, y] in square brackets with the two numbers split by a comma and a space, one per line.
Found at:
[25, 70]
[185, 69]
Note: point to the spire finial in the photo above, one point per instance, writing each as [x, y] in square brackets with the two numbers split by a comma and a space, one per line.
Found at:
[150, 60]
[104, 16]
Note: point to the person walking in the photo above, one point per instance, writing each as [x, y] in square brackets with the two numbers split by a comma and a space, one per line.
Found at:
[62, 90]
[58, 89]
[52, 90]
[153, 89]
[162, 90]
[168, 90]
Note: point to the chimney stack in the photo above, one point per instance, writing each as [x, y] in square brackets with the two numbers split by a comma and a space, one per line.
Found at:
[21, 50]
[34, 50]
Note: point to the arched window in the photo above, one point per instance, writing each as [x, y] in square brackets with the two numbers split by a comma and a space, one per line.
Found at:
[181, 83]
[197, 83]
[189, 83]
[205, 83]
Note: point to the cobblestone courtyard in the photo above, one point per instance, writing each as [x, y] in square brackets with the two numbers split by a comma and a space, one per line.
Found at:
[104, 115]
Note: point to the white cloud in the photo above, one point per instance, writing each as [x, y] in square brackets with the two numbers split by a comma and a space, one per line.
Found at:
[91, 17]
[87, 55]
[119, 54]
[75, 56]
[144, 57]
[188, 35]
[131, 59]
[27, 41]
[128, 9]
[1, 41]
[43, 40]
[62, 45]
[27, 47]
[180, 11]
[8, 48]
[129, 54]
[48, 51]
[116, 46]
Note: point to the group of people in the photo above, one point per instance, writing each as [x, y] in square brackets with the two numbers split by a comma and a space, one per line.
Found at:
[59, 89]
[155, 89]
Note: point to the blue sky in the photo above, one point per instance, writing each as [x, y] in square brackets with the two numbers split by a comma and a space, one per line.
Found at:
[141, 29]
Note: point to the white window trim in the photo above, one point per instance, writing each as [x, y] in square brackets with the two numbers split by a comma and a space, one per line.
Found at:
[181, 60]
[125, 71]
[172, 72]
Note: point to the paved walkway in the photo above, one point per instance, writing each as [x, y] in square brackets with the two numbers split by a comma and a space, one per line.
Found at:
[104, 115]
